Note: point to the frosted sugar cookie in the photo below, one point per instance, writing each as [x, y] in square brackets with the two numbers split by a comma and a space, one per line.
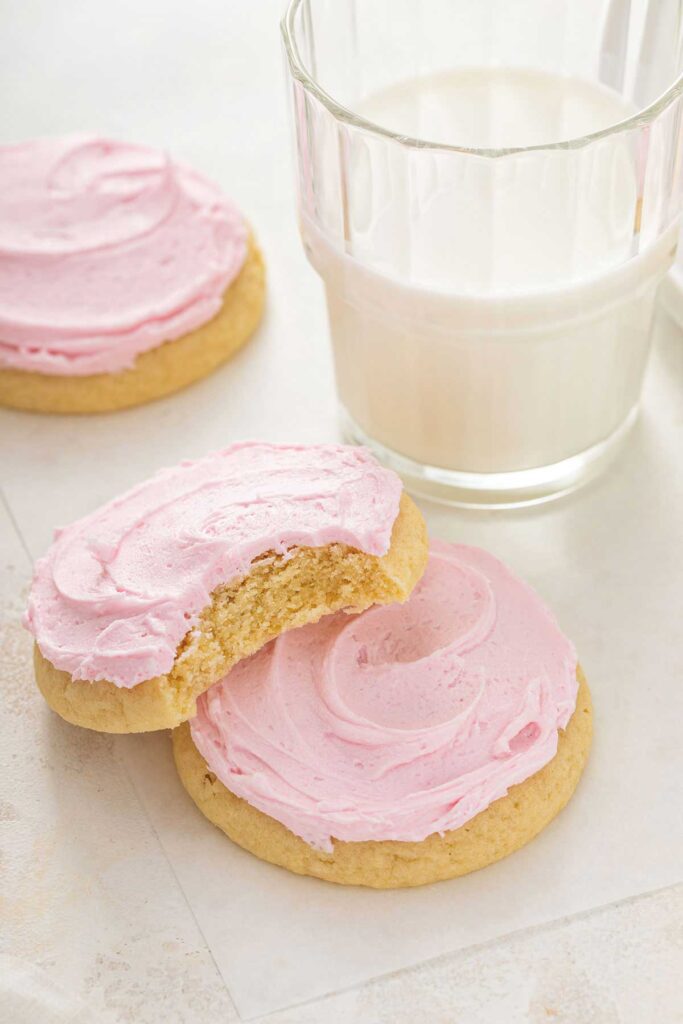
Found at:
[124, 276]
[143, 604]
[405, 745]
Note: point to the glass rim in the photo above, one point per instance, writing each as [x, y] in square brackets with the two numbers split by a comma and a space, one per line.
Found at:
[641, 119]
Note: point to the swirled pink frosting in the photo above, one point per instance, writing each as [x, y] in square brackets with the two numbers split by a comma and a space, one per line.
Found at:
[400, 722]
[118, 590]
[106, 250]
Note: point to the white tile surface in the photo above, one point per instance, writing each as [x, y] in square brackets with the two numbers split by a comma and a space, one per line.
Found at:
[91, 899]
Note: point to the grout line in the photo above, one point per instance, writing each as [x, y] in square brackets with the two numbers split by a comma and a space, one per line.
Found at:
[456, 954]
[15, 524]
[4, 503]
[155, 833]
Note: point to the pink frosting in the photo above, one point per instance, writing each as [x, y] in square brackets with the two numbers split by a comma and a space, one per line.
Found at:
[106, 250]
[119, 589]
[402, 721]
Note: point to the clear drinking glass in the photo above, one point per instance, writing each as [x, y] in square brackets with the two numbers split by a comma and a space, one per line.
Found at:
[489, 191]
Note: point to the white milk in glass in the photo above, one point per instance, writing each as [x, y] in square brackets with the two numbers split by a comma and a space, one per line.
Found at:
[494, 320]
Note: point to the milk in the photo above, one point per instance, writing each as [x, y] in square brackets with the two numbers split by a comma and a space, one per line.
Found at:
[489, 315]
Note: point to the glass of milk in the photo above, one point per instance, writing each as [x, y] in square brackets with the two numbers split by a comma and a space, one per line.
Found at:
[490, 191]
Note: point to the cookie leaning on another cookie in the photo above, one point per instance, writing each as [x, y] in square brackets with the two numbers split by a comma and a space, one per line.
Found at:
[124, 276]
[141, 606]
[404, 745]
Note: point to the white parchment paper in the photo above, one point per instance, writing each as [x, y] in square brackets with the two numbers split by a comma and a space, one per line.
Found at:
[94, 901]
